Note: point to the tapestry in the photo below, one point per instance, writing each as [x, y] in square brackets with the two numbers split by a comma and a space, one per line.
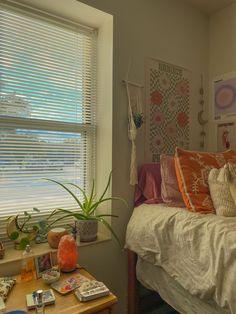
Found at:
[167, 109]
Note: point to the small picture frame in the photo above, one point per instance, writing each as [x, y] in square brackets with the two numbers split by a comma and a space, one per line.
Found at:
[42, 263]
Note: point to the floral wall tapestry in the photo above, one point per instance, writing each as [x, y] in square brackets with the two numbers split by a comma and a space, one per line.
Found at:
[167, 109]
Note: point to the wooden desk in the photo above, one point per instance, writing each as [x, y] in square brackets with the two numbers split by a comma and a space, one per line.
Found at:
[65, 304]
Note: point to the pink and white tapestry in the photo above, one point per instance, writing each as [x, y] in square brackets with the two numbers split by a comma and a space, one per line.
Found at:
[167, 109]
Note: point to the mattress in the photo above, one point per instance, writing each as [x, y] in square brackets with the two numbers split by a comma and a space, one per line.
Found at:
[197, 251]
[156, 279]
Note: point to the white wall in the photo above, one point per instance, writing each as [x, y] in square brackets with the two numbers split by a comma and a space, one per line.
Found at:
[222, 54]
[168, 30]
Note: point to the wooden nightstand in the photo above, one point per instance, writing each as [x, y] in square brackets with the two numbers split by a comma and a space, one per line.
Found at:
[65, 304]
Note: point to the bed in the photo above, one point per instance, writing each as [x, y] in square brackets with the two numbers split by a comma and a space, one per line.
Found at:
[189, 258]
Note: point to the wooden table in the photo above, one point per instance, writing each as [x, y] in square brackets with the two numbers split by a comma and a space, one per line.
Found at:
[65, 304]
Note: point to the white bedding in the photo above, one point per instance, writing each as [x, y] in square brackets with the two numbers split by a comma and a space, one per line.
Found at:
[198, 251]
[155, 278]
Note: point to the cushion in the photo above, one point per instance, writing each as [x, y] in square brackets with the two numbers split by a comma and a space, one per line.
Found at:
[148, 189]
[221, 182]
[170, 192]
[192, 170]
[6, 284]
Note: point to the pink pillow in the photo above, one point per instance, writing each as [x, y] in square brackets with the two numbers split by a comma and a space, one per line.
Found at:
[148, 189]
[170, 192]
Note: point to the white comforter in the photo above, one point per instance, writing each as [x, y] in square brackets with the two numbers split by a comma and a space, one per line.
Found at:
[198, 251]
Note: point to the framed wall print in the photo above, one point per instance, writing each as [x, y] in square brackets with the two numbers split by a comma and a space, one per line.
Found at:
[42, 263]
[224, 96]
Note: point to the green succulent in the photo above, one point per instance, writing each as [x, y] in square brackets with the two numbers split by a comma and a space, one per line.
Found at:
[138, 119]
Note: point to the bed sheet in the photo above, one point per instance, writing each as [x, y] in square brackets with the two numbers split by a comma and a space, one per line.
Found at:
[198, 251]
[156, 279]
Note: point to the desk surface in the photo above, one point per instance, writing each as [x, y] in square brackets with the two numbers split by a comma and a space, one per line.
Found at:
[65, 304]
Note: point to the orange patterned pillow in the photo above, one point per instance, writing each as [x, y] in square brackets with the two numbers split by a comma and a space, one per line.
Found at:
[192, 169]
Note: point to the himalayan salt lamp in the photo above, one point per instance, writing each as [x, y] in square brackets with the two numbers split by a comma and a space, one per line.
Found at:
[67, 254]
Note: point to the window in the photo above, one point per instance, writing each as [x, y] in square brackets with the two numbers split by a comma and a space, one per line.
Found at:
[47, 110]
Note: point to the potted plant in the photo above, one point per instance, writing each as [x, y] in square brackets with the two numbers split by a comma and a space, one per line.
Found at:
[20, 231]
[87, 215]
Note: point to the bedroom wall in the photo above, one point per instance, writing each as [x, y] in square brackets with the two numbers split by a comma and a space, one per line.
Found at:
[168, 30]
[222, 52]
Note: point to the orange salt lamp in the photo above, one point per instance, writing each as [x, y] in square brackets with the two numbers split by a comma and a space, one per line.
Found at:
[67, 254]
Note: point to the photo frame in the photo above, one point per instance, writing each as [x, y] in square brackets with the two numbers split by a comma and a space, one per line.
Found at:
[225, 136]
[42, 263]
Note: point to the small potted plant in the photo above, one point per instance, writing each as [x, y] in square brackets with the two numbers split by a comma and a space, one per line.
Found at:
[20, 231]
[87, 215]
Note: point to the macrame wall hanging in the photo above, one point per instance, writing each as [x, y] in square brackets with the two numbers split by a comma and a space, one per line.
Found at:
[135, 120]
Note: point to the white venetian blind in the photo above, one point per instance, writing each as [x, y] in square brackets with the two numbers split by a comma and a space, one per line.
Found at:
[47, 110]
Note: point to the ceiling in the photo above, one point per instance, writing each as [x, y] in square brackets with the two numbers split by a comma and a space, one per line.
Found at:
[210, 6]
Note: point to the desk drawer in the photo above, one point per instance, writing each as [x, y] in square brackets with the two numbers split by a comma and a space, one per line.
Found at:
[106, 311]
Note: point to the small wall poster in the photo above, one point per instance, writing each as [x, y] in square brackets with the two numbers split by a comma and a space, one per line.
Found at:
[225, 136]
[224, 92]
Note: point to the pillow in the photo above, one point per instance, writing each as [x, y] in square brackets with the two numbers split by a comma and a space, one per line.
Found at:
[221, 182]
[6, 285]
[148, 189]
[192, 170]
[170, 192]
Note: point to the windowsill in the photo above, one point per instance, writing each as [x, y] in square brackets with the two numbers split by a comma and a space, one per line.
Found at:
[13, 255]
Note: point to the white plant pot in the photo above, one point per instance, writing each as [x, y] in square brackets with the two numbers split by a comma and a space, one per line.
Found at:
[87, 230]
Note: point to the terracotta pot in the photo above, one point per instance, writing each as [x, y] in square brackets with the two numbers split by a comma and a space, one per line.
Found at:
[87, 230]
[54, 236]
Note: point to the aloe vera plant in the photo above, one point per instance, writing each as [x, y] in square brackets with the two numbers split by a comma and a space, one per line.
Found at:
[87, 208]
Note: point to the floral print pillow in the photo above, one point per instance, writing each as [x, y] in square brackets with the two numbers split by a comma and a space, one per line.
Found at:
[6, 284]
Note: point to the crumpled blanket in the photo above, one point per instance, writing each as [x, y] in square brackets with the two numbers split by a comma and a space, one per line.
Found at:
[197, 250]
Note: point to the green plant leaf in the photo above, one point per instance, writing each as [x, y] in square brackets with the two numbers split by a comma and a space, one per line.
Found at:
[86, 201]
[107, 215]
[23, 242]
[107, 186]
[106, 224]
[95, 205]
[14, 235]
[69, 213]
[36, 209]
[91, 196]
[68, 190]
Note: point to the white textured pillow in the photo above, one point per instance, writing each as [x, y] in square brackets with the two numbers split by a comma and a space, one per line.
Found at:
[222, 185]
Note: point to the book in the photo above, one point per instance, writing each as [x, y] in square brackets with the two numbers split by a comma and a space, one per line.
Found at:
[69, 284]
[91, 290]
[48, 298]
